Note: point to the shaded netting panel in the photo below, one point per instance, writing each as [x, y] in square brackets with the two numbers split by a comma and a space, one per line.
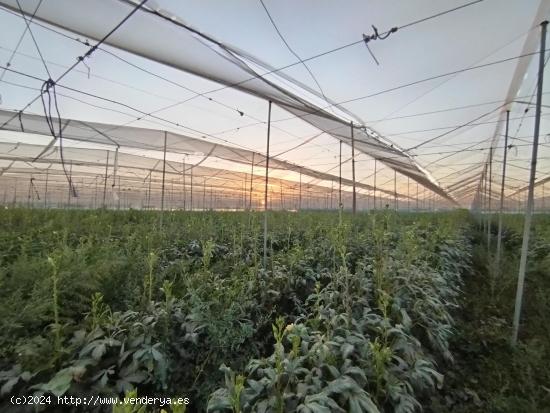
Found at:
[112, 178]
[174, 43]
[151, 139]
[47, 187]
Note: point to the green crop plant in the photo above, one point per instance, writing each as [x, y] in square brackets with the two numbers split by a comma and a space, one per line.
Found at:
[367, 305]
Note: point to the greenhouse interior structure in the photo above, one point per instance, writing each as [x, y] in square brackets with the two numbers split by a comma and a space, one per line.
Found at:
[274, 206]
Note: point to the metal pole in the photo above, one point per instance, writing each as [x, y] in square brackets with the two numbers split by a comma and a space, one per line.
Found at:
[119, 192]
[340, 180]
[417, 196]
[489, 200]
[95, 193]
[204, 194]
[191, 197]
[395, 189]
[354, 201]
[408, 194]
[184, 188]
[300, 193]
[29, 192]
[46, 189]
[70, 183]
[266, 183]
[251, 182]
[529, 210]
[485, 197]
[15, 193]
[375, 166]
[331, 193]
[149, 193]
[163, 178]
[245, 192]
[105, 183]
[543, 203]
[501, 208]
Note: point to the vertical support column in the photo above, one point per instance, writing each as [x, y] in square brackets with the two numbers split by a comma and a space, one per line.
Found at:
[149, 192]
[266, 184]
[204, 194]
[394, 190]
[29, 192]
[375, 170]
[489, 200]
[119, 192]
[501, 208]
[70, 188]
[15, 193]
[184, 188]
[300, 191]
[245, 192]
[46, 189]
[105, 182]
[191, 194]
[484, 198]
[340, 179]
[251, 182]
[543, 202]
[163, 179]
[529, 210]
[95, 194]
[408, 193]
[354, 199]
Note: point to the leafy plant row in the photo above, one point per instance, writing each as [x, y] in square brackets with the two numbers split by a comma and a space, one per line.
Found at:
[352, 314]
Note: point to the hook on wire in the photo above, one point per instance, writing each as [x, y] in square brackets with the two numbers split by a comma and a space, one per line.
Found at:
[376, 36]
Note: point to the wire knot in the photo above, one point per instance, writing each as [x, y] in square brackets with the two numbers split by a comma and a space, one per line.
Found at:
[378, 36]
[48, 84]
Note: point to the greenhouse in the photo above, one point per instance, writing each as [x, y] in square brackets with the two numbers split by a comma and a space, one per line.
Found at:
[274, 206]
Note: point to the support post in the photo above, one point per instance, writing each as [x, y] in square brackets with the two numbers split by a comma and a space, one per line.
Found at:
[395, 189]
[46, 189]
[340, 180]
[529, 209]
[300, 192]
[501, 208]
[191, 194]
[184, 188]
[251, 182]
[543, 203]
[266, 184]
[408, 193]
[105, 182]
[29, 193]
[163, 179]
[489, 200]
[417, 197]
[204, 194]
[484, 198]
[375, 170]
[331, 193]
[354, 199]
[149, 192]
[69, 192]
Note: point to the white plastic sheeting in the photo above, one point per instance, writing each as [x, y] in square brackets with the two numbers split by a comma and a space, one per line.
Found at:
[169, 40]
[151, 139]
